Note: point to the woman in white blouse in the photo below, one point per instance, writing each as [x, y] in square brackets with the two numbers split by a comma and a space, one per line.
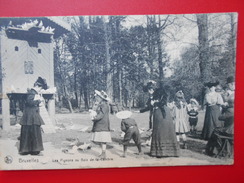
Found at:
[213, 102]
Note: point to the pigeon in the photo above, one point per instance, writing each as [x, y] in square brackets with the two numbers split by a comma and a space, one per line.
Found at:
[122, 134]
[43, 28]
[84, 146]
[10, 24]
[24, 26]
[35, 22]
[51, 29]
[40, 24]
[47, 29]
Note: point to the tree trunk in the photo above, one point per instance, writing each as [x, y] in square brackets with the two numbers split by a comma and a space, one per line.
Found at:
[233, 39]
[75, 88]
[109, 82]
[151, 44]
[66, 97]
[160, 57]
[204, 63]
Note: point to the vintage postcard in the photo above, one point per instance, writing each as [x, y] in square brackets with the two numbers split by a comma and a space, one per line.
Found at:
[117, 91]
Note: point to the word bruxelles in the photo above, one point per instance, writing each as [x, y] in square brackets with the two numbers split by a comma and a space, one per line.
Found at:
[30, 160]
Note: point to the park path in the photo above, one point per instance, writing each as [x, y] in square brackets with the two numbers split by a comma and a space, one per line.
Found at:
[54, 157]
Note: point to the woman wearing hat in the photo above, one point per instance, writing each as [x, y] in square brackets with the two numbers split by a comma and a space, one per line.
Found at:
[101, 124]
[31, 121]
[213, 101]
[164, 143]
[150, 87]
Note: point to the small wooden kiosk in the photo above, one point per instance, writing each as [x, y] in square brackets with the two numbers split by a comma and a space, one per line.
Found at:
[26, 52]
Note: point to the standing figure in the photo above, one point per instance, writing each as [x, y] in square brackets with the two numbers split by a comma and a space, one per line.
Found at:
[130, 128]
[192, 111]
[150, 87]
[164, 143]
[221, 143]
[31, 121]
[230, 90]
[101, 124]
[213, 102]
[180, 117]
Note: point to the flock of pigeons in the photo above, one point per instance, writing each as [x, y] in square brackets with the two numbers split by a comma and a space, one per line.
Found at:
[34, 24]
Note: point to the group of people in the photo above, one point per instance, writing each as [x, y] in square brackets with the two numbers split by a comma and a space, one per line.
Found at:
[167, 121]
[218, 126]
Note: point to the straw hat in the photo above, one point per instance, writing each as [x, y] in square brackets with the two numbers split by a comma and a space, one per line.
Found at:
[123, 114]
[194, 100]
[102, 94]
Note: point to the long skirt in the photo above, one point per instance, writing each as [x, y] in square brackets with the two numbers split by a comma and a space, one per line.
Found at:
[164, 143]
[211, 121]
[30, 139]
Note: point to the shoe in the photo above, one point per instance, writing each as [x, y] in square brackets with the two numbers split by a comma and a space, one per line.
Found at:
[140, 153]
[36, 153]
[24, 154]
[123, 156]
[184, 146]
[103, 155]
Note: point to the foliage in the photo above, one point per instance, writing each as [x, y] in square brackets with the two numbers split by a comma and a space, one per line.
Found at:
[102, 49]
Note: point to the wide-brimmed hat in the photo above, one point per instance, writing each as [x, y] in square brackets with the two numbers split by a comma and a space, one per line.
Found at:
[41, 82]
[123, 114]
[230, 79]
[194, 101]
[179, 94]
[211, 84]
[150, 85]
[102, 94]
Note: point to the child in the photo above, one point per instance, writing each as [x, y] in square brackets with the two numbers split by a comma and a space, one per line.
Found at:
[101, 123]
[180, 117]
[129, 126]
[192, 111]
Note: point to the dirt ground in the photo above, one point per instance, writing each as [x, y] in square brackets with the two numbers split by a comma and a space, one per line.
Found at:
[75, 128]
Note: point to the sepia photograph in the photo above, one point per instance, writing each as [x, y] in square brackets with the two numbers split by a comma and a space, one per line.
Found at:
[109, 91]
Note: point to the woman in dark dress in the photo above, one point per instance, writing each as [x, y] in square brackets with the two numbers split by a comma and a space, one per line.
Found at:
[150, 87]
[213, 102]
[31, 121]
[164, 143]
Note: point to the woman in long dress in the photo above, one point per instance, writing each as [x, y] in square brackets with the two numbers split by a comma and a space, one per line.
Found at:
[31, 121]
[164, 143]
[213, 102]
